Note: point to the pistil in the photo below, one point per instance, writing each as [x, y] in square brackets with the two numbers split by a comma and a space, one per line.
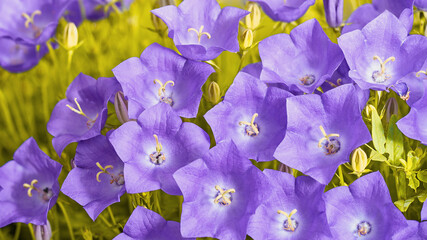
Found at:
[90, 121]
[289, 224]
[200, 33]
[222, 197]
[253, 130]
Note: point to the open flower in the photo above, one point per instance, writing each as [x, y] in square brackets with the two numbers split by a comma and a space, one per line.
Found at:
[97, 181]
[285, 11]
[201, 30]
[83, 113]
[318, 137]
[146, 224]
[294, 210]
[221, 191]
[161, 75]
[30, 186]
[421, 4]
[155, 146]
[252, 115]
[382, 53]
[363, 210]
[302, 60]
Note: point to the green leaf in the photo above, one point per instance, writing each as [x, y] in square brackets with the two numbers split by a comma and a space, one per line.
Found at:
[413, 182]
[378, 137]
[422, 176]
[422, 197]
[376, 156]
[394, 142]
[403, 205]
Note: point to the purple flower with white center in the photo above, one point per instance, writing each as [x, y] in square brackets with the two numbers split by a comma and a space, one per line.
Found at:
[201, 30]
[285, 11]
[146, 224]
[421, 4]
[363, 210]
[295, 209]
[382, 53]
[402, 9]
[252, 115]
[318, 137]
[16, 57]
[30, 186]
[30, 22]
[83, 113]
[153, 148]
[221, 191]
[161, 75]
[334, 12]
[97, 181]
[302, 60]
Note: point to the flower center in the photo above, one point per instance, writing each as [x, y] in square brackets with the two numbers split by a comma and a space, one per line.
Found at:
[251, 128]
[200, 33]
[363, 229]
[90, 122]
[29, 19]
[329, 142]
[402, 89]
[157, 157]
[117, 179]
[381, 76]
[307, 79]
[223, 197]
[162, 90]
[46, 193]
[290, 224]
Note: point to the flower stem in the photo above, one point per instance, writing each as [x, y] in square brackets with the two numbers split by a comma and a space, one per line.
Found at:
[112, 216]
[342, 182]
[30, 226]
[67, 220]
[17, 231]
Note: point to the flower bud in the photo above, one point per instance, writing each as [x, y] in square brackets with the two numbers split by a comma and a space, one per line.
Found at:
[334, 12]
[247, 39]
[214, 93]
[43, 232]
[392, 108]
[71, 35]
[359, 162]
[121, 107]
[253, 19]
[73, 163]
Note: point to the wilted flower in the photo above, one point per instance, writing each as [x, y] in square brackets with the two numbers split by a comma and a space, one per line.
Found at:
[201, 30]
[97, 181]
[285, 11]
[30, 186]
[334, 12]
[161, 75]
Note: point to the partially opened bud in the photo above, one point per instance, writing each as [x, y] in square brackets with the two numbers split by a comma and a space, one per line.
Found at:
[71, 35]
[253, 19]
[359, 162]
[214, 92]
[121, 107]
[334, 12]
[43, 232]
[392, 108]
[247, 39]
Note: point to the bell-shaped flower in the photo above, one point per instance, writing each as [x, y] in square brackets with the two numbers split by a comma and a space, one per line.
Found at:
[363, 210]
[302, 60]
[146, 224]
[334, 12]
[221, 191]
[294, 210]
[155, 146]
[382, 53]
[161, 75]
[421, 4]
[285, 11]
[252, 115]
[201, 30]
[83, 113]
[97, 181]
[318, 137]
[30, 186]
[402, 9]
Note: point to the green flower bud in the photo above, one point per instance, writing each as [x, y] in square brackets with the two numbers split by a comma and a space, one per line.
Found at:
[71, 36]
[253, 19]
[214, 93]
[359, 162]
[392, 108]
[247, 39]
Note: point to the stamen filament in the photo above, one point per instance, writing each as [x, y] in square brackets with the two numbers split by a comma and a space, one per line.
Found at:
[30, 19]
[103, 170]
[158, 144]
[392, 59]
[200, 33]
[325, 136]
[290, 225]
[80, 111]
[162, 88]
[418, 73]
[30, 187]
[222, 195]
[252, 124]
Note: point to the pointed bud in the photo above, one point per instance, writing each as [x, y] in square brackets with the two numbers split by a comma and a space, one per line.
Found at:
[359, 162]
[247, 39]
[214, 93]
[253, 19]
[73, 163]
[121, 107]
[43, 232]
[71, 35]
[391, 108]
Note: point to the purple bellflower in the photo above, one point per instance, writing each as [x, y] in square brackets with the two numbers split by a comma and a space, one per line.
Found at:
[318, 137]
[161, 75]
[155, 146]
[201, 30]
[83, 113]
[221, 191]
[302, 60]
[17, 57]
[285, 11]
[402, 9]
[252, 115]
[363, 210]
[146, 224]
[334, 12]
[421, 4]
[30, 22]
[382, 53]
[30, 186]
[295, 210]
[97, 181]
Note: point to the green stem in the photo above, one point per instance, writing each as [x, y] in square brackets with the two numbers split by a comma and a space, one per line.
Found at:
[242, 58]
[67, 220]
[30, 227]
[112, 216]
[17, 231]
[342, 182]
[157, 201]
